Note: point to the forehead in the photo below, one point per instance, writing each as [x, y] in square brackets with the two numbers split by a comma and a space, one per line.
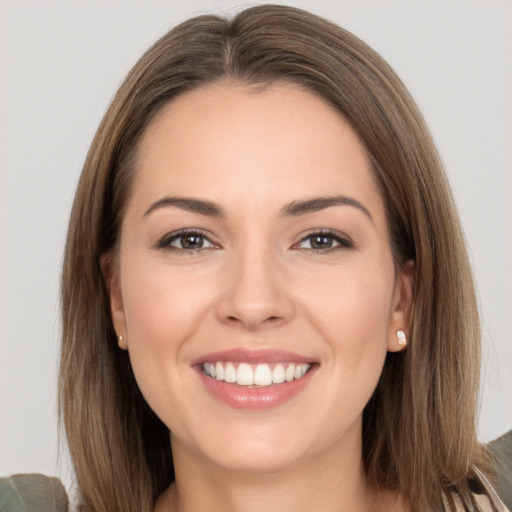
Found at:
[229, 142]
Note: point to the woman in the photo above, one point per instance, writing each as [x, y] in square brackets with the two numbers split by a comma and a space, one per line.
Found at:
[266, 297]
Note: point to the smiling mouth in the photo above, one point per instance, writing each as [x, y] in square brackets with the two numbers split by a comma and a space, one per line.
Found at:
[260, 375]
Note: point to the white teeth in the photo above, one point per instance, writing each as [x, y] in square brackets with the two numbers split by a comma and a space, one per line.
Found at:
[219, 372]
[301, 370]
[244, 375]
[230, 373]
[263, 375]
[278, 374]
[209, 369]
[256, 375]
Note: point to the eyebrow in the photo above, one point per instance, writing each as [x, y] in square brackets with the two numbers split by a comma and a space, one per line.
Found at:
[188, 204]
[316, 204]
[294, 209]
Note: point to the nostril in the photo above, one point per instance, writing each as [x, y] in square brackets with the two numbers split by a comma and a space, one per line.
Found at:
[254, 323]
[254, 307]
[233, 318]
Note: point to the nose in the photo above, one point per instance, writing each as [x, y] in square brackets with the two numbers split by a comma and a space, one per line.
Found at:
[255, 294]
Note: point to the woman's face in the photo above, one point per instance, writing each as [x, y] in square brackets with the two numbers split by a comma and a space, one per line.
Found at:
[255, 286]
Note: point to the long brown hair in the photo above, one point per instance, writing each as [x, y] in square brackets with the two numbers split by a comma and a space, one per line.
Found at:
[419, 427]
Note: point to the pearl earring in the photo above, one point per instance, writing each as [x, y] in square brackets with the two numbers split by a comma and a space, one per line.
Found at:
[402, 340]
[120, 342]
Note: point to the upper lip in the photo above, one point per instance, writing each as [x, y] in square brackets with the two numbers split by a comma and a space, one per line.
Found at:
[239, 355]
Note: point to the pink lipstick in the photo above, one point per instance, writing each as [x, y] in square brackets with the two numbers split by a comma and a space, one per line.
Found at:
[254, 380]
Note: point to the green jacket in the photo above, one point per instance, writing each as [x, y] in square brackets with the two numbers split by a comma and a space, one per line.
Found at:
[32, 493]
[501, 448]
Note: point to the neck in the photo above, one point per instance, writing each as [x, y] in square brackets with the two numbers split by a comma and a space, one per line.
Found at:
[333, 482]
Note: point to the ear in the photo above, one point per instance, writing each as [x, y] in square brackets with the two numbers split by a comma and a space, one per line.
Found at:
[401, 307]
[110, 271]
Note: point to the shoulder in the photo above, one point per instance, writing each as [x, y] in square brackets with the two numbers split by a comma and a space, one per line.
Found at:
[483, 498]
[32, 493]
[501, 449]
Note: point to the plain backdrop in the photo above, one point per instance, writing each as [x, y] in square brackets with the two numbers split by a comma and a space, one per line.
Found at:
[60, 64]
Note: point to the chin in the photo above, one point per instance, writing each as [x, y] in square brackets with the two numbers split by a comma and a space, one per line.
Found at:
[255, 448]
[254, 460]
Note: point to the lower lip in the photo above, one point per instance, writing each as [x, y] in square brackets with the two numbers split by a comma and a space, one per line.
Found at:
[255, 398]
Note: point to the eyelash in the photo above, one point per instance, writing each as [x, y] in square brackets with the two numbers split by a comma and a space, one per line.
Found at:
[342, 241]
[165, 242]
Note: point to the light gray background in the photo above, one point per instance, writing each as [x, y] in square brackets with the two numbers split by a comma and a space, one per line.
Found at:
[61, 62]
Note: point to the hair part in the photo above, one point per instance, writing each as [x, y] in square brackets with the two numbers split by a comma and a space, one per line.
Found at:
[419, 431]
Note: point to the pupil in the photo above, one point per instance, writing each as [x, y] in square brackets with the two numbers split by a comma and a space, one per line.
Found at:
[191, 242]
[321, 242]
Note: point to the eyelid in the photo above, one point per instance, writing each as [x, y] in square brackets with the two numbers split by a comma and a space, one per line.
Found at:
[343, 241]
[165, 241]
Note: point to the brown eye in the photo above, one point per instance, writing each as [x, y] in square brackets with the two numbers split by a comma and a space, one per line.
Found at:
[324, 241]
[189, 241]
[321, 242]
[185, 241]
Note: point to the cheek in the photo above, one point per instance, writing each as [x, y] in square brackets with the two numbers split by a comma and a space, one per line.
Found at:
[163, 311]
[352, 316]
[354, 300]
[161, 306]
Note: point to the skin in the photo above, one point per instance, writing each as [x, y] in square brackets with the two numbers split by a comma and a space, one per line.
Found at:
[259, 283]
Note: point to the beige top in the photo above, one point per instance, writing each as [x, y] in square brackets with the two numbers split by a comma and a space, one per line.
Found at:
[487, 499]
